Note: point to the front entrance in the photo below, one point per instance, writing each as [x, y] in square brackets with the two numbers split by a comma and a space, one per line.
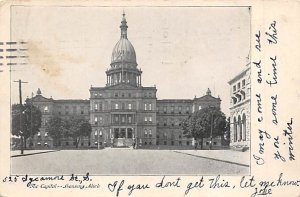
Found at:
[123, 137]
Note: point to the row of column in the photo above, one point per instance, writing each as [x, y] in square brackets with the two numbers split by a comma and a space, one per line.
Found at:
[123, 76]
[113, 121]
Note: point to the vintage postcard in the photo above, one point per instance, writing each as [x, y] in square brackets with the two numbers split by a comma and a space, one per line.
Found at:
[114, 98]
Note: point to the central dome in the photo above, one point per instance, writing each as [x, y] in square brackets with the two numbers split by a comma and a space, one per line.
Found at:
[123, 50]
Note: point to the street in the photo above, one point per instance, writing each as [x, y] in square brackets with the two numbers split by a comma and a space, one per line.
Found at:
[132, 162]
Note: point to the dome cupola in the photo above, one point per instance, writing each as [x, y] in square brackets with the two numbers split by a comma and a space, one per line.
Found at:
[123, 66]
[123, 50]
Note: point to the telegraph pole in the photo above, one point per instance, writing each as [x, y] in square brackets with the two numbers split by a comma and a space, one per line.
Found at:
[21, 111]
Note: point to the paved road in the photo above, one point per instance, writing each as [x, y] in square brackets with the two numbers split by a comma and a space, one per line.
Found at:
[124, 162]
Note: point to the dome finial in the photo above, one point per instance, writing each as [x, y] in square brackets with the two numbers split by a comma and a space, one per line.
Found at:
[123, 26]
[208, 92]
[39, 92]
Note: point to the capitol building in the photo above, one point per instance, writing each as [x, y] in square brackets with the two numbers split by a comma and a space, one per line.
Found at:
[124, 111]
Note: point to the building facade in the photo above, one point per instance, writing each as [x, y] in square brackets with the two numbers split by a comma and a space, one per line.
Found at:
[124, 112]
[240, 90]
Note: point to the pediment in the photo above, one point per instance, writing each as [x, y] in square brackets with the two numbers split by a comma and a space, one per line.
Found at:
[207, 98]
[40, 98]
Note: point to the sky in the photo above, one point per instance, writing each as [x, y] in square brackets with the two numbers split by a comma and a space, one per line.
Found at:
[181, 50]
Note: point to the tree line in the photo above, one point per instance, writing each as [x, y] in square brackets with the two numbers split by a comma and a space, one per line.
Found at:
[205, 123]
[75, 128]
[27, 119]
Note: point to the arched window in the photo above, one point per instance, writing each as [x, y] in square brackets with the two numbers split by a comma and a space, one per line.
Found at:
[244, 127]
[240, 128]
[234, 129]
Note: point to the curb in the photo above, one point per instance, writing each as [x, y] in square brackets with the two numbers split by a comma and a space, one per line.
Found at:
[34, 153]
[230, 162]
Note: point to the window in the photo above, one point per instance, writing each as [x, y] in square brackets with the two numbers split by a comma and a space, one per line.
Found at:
[165, 135]
[46, 109]
[67, 110]
[150, 106]
[146, 119]
[150, 94]
[187, 110]
[100, 106]
[187, 143]
[157, 136]
[100, 119]
[81, 109]
[129, 119]
[150, 133]
[100, 134]
[96, 120]
[116, 94]
[207, 143]
[165, 109]
[82, 144]
[234, 88]
[172, 143]
[74, 110]
[39, 134]
[165, 142]
[123, 119]
[123, 95]
[180, 143]
[129, 106]
[46, 134]
[96, 133]
[215, 143]
[200, 107]
[123, 106]
[150, 118]
[96, 106]
[243, 83]
[145, 106]
[179, 109]
[172, 109]
[145, 133]
[238, 85]
[129, 94]
[116, 106]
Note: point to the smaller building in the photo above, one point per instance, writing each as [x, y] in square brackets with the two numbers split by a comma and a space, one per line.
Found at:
[240, 110]
[65, 109]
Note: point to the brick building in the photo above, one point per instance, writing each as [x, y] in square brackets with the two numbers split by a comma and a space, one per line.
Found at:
[125, 111]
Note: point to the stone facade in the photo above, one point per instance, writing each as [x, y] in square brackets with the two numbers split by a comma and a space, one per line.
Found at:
[240, 89]
[124, 112]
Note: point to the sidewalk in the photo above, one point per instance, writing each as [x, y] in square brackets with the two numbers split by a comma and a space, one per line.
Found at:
[17, 153]
[228, 156]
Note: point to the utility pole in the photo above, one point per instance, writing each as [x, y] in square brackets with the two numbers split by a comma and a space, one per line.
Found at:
[21, 112]
[211, 131]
